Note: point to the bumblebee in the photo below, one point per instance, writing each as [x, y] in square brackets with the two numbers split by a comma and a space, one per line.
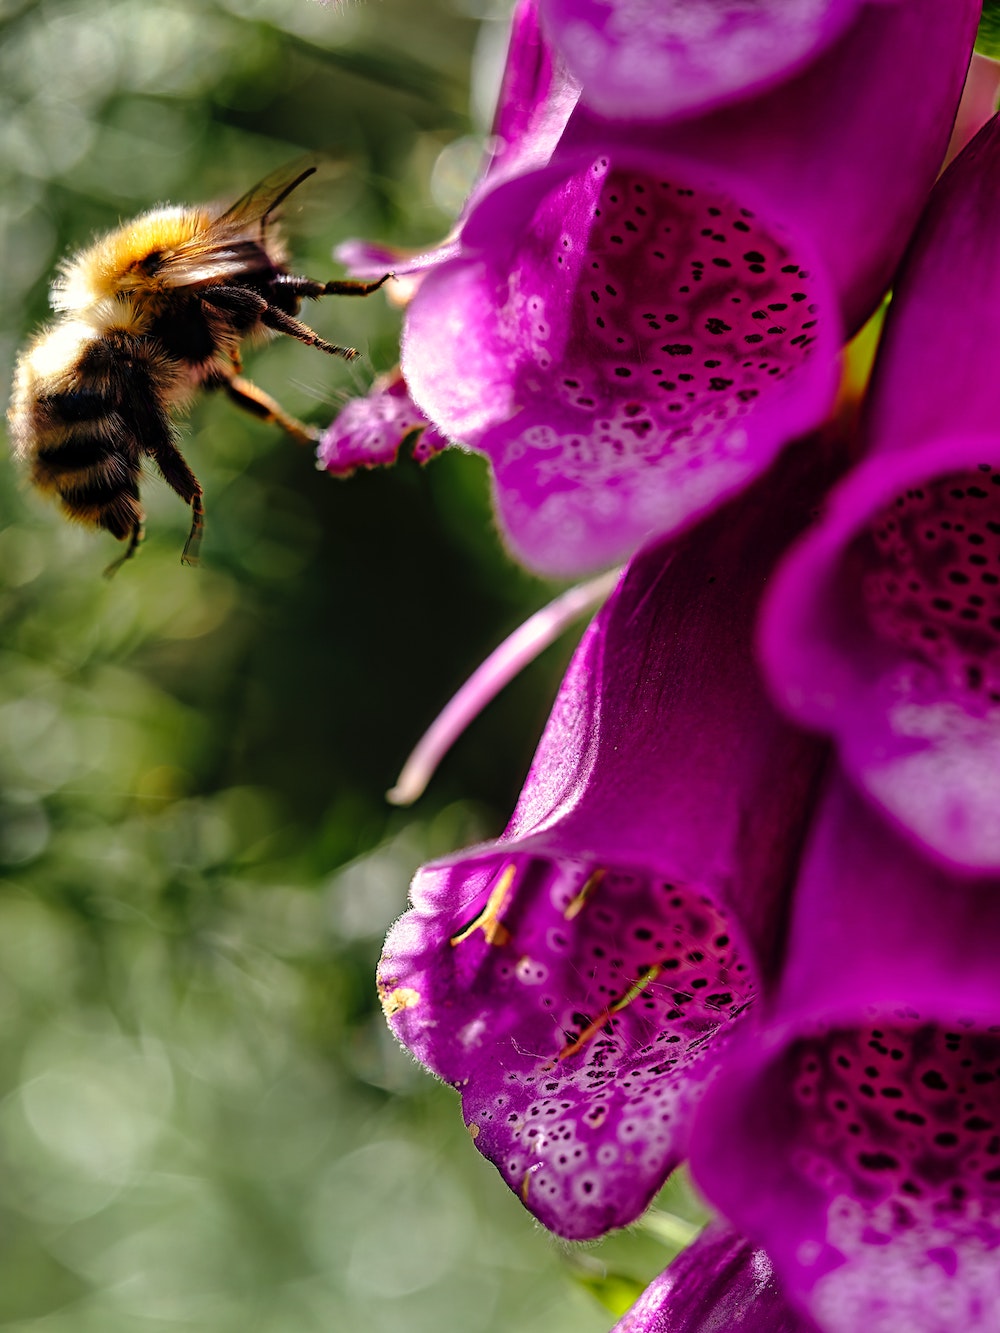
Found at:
[149, 314]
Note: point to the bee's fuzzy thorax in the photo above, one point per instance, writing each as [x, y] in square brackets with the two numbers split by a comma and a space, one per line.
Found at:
[112, 265]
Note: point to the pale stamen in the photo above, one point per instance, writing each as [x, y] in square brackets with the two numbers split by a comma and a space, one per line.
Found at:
[486, 682]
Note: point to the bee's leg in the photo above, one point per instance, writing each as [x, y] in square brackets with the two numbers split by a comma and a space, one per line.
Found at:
[235, 300]
[190, 555]
[181, 479]
[348, 287]
[310, 287]
[262, 405]
[136, 537]
[285, 323]
[245, 302]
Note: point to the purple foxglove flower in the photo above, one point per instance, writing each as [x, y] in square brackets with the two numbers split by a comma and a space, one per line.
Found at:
[858, 1139]
[578, 978]
[370, 431]
[884, 628]
[631, 332]
[719, 1284]
[649, 61]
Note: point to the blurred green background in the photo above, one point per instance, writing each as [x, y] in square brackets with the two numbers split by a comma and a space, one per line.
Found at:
[203, 1122]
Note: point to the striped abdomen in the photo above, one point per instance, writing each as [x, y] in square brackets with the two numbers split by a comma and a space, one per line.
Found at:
[87, 457]
[82, 428]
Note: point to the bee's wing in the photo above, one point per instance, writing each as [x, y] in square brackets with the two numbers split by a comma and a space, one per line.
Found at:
[213, 257]
[258, 203]
[224, 248]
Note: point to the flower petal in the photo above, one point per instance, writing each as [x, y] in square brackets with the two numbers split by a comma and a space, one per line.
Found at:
[720, 1284]
[580, 1009]
[651, 61]
[634, 344]
[370, 431]
[859, 1140]
[843, 152]
[933, 375]
[370, 259]
[884, 628]
[578, 978]
[536, 98]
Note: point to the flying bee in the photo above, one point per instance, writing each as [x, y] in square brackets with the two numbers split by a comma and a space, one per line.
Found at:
[149, 314]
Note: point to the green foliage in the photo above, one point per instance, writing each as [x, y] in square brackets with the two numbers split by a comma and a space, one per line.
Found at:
[615, 1291]
[618, 1271]
[988, 39]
